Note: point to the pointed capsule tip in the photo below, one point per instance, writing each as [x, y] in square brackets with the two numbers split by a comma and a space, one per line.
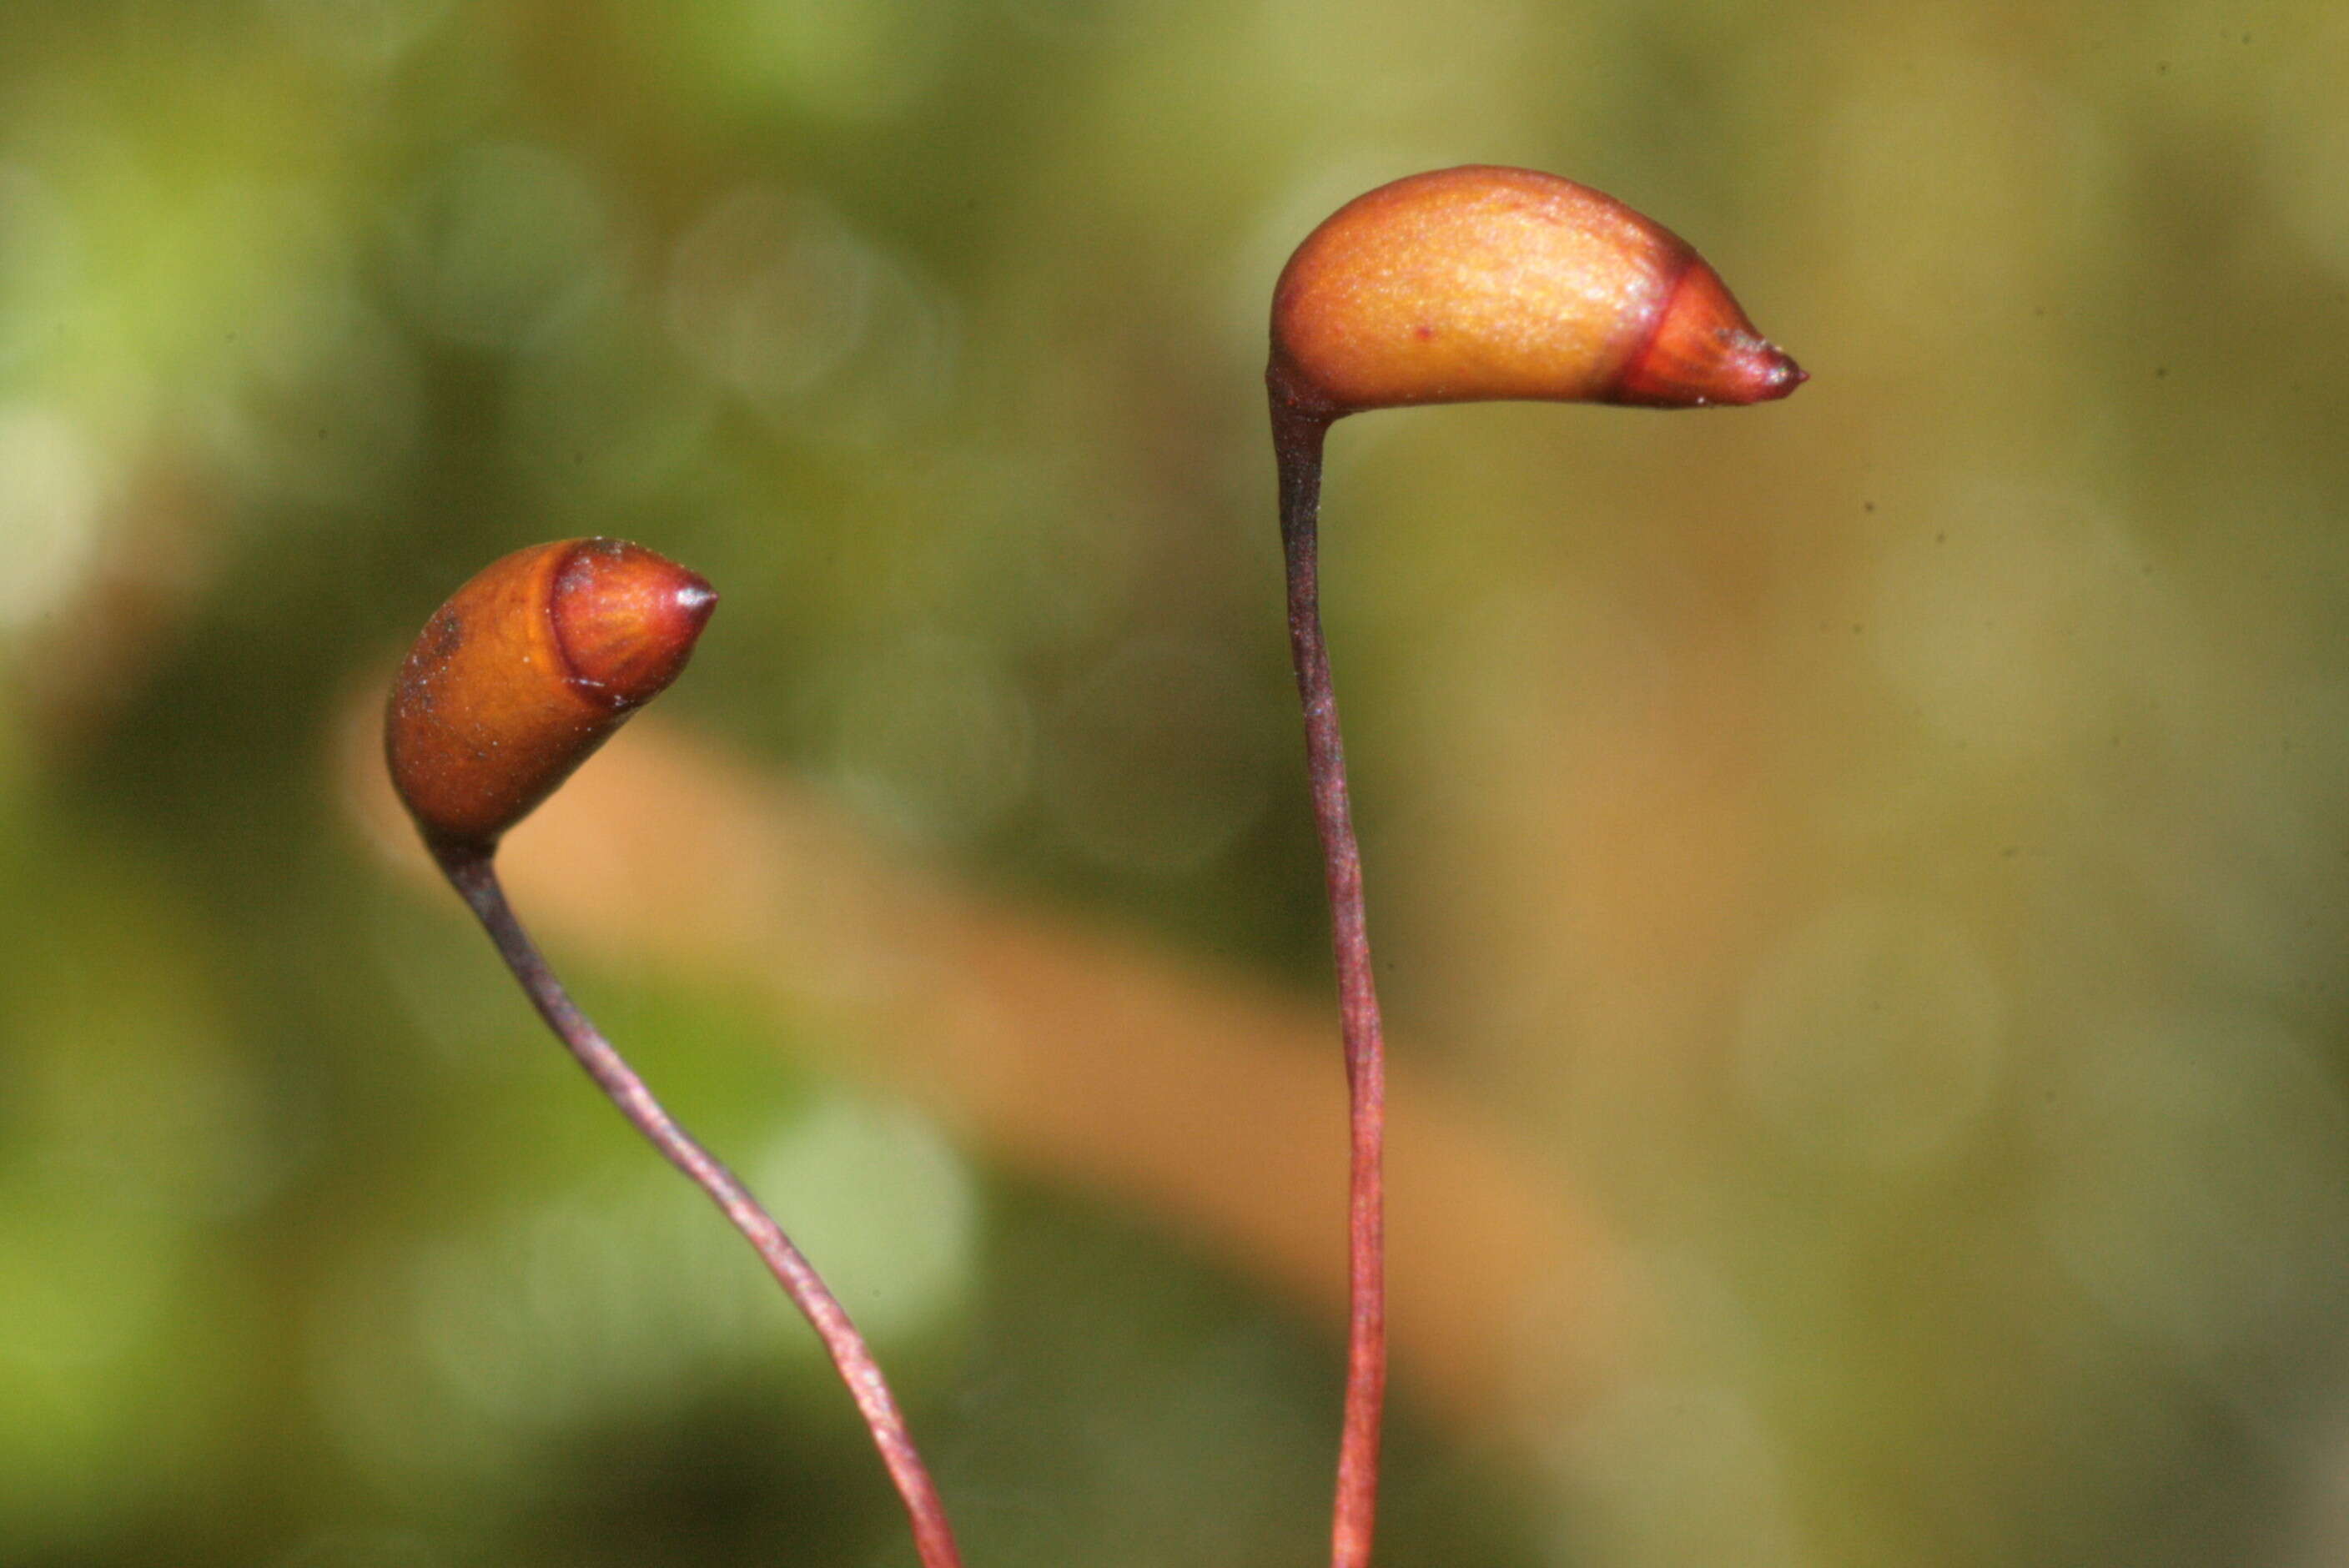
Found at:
[627, 619]
[1782, 377]
[1704, 353]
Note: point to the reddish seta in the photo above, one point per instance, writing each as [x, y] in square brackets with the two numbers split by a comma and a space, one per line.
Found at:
[512, 683]
[1462, 285]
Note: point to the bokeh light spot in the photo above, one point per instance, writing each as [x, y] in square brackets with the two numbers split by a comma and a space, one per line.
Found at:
[774, 297]
[1872, 1037]
[1152, 772]
[929, 735]
[50, 497]
[883, 1204]
[363, 33]
[2200, 1175]
[501, 242]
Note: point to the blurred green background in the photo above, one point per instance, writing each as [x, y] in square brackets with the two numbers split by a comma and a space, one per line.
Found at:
[1884, 855]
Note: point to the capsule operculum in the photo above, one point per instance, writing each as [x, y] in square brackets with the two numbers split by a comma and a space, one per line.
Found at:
[625, 619]
[1701, 351]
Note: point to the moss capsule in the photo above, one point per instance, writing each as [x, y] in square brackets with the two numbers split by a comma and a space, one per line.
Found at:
[524, 672]
[1481, 282]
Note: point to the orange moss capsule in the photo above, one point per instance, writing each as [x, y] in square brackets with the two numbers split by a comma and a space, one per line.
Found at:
[524, 672]
[1481, 282]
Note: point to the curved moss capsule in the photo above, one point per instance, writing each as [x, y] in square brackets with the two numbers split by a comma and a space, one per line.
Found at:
[524, 672]
[1481, 282]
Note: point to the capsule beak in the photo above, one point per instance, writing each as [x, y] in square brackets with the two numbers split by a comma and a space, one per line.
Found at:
[627, 619]
[1780, 377]
[1704, 353]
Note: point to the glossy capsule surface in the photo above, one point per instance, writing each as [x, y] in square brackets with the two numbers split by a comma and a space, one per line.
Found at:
[1483, 282]
[525, 671]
